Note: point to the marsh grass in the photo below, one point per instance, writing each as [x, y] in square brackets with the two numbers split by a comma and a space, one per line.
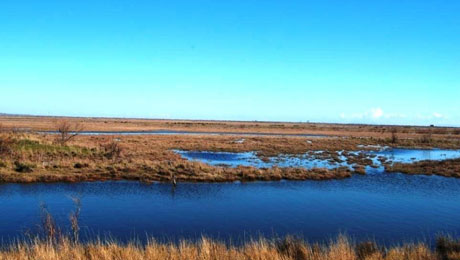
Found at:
[152, 158]
[35, 146]
[341, 248]
[23, 167]
[446, 168]
[6, 144]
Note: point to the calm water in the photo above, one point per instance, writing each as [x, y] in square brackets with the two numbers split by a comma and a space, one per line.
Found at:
[174, 132]
[311, 160]
[390, 208]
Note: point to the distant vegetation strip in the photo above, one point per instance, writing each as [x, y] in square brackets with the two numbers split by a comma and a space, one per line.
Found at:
[69, 157]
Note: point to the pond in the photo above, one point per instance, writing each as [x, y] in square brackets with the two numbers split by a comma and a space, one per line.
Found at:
[387, 207]
[317, 159]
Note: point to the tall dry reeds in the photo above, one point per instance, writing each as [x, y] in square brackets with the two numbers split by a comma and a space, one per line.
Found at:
[207, 249]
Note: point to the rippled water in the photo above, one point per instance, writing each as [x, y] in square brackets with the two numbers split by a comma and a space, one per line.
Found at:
[388, 207]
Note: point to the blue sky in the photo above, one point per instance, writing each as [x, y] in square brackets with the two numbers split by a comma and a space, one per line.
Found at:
[395, 62]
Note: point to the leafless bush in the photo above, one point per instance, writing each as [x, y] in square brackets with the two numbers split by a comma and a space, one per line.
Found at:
[66, 131]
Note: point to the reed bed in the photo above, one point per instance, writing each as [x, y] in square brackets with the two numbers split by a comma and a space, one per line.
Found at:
[446, 168]
[206, 249]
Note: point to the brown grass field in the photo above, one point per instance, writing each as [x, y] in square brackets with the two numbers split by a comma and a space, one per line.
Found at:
[446, 168]
[36, 123]
[28, 156]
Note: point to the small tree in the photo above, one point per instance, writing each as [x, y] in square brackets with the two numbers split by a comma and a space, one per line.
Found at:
[67, 131]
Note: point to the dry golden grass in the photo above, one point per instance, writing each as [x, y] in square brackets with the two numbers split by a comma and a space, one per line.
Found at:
[446, 168]
[206, 249]
[124, 124]
[36, 158]
[29, 157]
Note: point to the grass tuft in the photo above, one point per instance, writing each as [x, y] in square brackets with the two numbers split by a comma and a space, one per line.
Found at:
[23, 167]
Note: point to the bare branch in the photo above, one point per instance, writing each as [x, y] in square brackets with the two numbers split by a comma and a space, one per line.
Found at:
[67, 131]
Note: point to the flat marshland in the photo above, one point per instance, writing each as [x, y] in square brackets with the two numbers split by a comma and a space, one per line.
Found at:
[356, 187]
[31, 156]
[34, 123]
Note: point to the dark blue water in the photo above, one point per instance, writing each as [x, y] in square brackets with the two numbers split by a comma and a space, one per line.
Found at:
[390, 208]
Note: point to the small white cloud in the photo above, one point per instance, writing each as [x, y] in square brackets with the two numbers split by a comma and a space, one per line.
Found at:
[376, 113]
[437, 115]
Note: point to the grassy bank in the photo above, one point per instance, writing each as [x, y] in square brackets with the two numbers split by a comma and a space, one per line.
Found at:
[286, 249]
[38, 158]
[446, 168]
[26, 158]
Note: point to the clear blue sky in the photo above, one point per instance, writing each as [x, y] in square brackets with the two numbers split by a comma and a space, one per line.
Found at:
[327, 61]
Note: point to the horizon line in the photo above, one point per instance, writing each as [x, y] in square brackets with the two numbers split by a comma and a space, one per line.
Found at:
[229, 120]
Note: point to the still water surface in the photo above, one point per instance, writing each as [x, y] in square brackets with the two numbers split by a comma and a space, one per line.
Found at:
[178, 132]
[389, 208]
[311, 160]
